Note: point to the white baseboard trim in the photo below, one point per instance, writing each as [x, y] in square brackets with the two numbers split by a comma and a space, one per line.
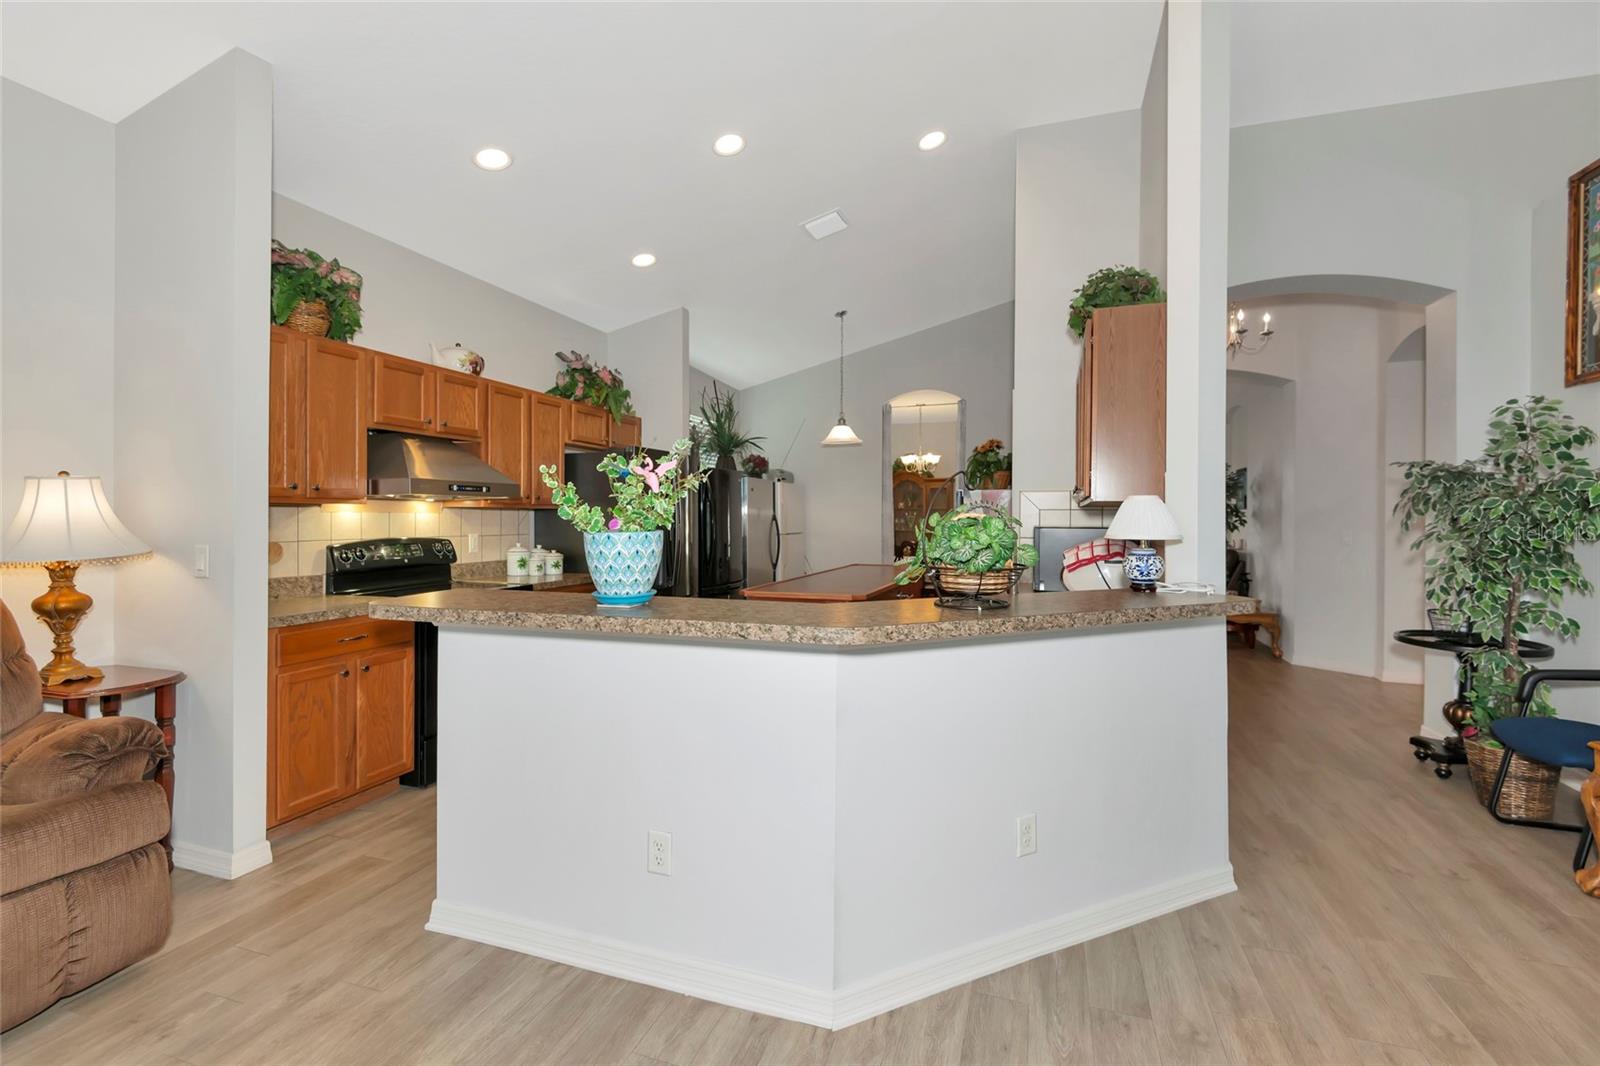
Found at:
[829, 1009]
[676, 973]
[224, 864]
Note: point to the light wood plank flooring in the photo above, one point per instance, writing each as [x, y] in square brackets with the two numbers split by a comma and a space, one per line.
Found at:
[1382, 917]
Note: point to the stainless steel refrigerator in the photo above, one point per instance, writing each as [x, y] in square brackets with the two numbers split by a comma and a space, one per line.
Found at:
[737, 540]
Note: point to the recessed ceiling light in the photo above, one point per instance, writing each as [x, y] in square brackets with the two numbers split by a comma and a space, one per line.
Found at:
[931, 140]
[492, 158]
[728, 144]
[644, 259]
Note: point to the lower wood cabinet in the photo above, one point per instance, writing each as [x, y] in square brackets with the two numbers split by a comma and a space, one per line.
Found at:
[340, 717]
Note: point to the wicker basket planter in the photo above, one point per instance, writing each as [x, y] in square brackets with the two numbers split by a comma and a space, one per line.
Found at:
[310, 316]
[953, 581]
[1530, 789]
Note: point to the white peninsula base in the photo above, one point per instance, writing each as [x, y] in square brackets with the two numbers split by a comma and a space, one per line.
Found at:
[844, 823]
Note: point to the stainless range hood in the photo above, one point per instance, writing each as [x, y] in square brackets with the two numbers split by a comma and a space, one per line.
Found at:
[402, 467]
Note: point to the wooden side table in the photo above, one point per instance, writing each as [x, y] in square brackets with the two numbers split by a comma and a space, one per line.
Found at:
[1245, 625]
[120, 681]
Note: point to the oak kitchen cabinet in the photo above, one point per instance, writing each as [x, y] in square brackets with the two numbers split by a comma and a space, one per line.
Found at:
[317, 444]
[339, 715]
[549, 443]
[587, 424]
[1122, 409]
[629, 433]
[420, 398]
[508, 441]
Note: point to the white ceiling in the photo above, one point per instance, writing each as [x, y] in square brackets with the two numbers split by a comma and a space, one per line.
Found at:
[610, 111]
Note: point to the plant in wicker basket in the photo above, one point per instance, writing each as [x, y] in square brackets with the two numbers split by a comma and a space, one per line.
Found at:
[970, 549]
[1500, 532]
[314, 295]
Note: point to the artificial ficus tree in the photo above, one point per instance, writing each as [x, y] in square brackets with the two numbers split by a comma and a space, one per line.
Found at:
[1500, 533]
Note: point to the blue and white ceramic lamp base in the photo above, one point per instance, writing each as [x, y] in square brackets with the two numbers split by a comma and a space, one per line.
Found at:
[1143, 566]
[623, 566]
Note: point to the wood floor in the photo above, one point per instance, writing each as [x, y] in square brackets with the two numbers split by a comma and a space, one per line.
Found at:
[1382, 917]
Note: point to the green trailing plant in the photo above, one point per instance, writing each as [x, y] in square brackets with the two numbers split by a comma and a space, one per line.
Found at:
[720, 432]
[586, 382]
[1236, 516]
[987, 460]
[299, 274]
[974, 540]
[1116, 286]
[1500, 533]
[644, 493]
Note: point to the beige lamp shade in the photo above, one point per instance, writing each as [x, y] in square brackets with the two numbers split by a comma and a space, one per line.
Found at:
[1144, 518]
[67, 519]
[840, 435]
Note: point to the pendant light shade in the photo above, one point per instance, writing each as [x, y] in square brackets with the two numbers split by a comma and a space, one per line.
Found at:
[841, 435]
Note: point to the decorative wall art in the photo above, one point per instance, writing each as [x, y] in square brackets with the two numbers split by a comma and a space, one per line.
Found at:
[1583, 276]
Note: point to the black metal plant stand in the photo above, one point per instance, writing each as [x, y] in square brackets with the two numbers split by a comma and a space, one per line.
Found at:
[958, 600]
[1450, 751]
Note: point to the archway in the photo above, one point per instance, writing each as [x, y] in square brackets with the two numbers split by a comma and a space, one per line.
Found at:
[924, 447]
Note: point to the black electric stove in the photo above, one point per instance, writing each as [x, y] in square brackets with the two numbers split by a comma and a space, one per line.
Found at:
[403, 566]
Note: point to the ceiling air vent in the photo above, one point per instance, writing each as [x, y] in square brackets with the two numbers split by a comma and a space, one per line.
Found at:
[825, 225]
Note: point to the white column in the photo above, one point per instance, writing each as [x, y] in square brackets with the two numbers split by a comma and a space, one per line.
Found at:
[1197, 283]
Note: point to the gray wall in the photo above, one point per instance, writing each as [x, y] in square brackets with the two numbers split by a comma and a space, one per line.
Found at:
[193, 220]
[411, 301]
[59, 269]
[844, 487]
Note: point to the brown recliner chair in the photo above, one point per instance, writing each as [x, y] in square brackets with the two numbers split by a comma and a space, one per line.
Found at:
[84, 883]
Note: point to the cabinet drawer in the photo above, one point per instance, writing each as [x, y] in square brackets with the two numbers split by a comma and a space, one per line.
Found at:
[325, 640]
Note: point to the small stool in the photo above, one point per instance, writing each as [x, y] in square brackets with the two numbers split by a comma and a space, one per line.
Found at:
[1245, 625]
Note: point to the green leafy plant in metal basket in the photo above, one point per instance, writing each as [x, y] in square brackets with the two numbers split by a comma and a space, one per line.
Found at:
[974, 540]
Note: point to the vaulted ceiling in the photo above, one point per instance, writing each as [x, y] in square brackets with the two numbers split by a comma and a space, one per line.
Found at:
[610, 112]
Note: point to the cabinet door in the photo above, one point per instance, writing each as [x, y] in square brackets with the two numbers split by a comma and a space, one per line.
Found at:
[402, 394]
[508, 446]
[549, 442]
[1127, 393]
[1084, 465]
[286, 417]
[313, 711]
[384, 716]
[336, 439]
[628, 433]
[588, 425]
[461, 404]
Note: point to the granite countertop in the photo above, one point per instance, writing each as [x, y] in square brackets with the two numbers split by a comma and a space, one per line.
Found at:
[291, 610]
[837, 625]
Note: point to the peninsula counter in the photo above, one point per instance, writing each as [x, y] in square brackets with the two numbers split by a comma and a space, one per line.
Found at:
[842, 785]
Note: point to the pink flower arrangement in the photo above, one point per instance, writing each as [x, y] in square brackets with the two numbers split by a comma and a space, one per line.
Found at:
[301, 276]
[582, 379]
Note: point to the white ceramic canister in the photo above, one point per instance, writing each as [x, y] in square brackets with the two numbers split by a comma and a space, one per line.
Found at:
[554, 563]
[537, 565]
[518, 562]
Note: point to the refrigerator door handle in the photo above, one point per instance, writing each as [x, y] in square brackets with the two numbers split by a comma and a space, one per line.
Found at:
[774, 545]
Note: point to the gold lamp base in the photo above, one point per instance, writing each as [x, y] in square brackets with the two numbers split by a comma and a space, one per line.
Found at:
[61, 608]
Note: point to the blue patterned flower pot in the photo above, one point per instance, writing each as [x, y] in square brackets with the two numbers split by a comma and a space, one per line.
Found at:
[623, 566]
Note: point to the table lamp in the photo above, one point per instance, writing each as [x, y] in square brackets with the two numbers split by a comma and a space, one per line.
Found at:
[1143, 519]
[63, 522]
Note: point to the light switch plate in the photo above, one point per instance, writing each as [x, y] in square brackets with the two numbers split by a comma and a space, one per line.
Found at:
[202, 560]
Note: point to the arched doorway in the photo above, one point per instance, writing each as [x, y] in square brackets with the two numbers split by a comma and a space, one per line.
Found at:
[924, 445]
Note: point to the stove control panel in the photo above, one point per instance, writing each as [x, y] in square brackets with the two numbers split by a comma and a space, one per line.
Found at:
[390, 553]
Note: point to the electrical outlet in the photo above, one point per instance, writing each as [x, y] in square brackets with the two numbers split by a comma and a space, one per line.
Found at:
[473, 542]
[658, 853]
[1027, 836]
[202, 560]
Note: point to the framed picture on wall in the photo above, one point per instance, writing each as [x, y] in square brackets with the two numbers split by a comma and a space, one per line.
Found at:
[1583, 276]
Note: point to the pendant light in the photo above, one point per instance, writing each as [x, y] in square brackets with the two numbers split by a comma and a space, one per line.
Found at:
[841, 435]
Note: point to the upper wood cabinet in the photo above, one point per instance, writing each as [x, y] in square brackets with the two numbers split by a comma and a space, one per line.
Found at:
[588, 425]
[508, 441]
[402, 394]
[286, 417]
[549, 443]
[461, 404]
[629, 433]
[1121, 405]
[316, 438]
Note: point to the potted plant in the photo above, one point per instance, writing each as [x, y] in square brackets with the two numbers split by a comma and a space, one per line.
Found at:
[755, 465]
[720, 432]
[989, 466]
[970, 550]
[623, 548]
[1116, 286]
[314, 295]
[1500, 531]
[584, 381]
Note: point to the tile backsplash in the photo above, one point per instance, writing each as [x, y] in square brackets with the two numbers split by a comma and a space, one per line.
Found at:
[299, 536]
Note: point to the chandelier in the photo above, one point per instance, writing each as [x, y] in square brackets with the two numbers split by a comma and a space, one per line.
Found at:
[920, 461]
[1238, 331]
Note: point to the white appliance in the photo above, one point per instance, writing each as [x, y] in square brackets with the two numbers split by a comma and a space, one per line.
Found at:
[789, 507]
